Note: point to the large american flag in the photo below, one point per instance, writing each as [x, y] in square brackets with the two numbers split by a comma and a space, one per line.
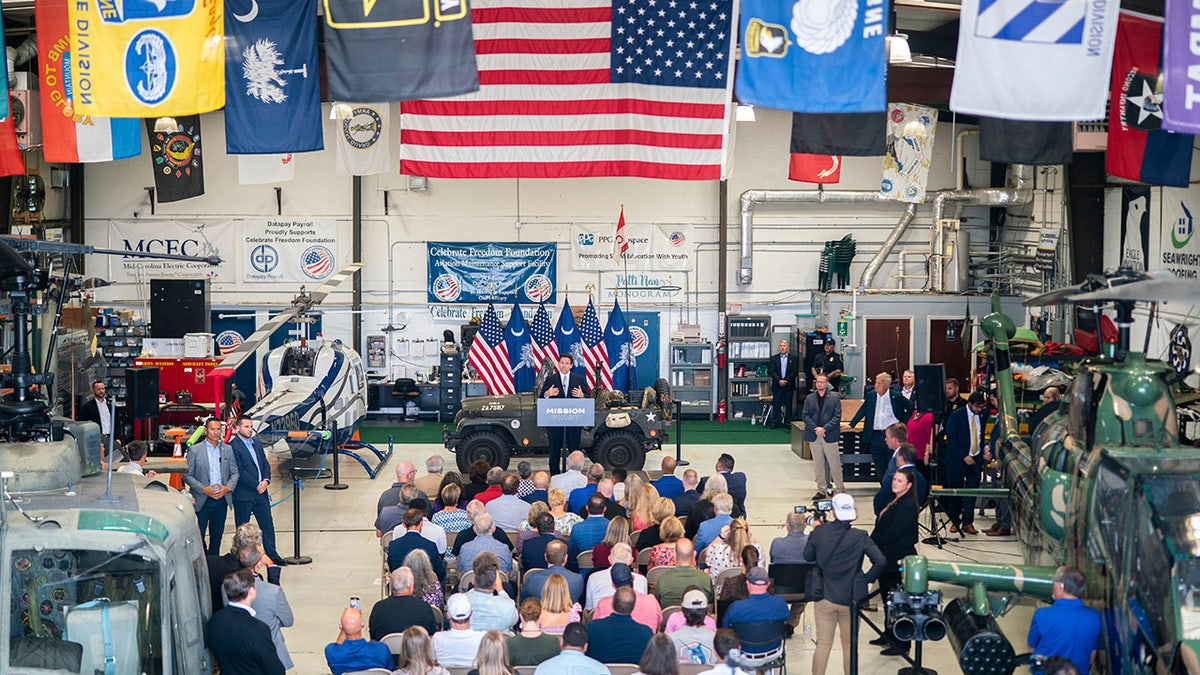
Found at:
[595, 351]
[489, 356]
[544, 346]
[584, 88]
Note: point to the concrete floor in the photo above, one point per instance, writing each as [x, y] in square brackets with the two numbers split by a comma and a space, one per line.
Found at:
[336, 531]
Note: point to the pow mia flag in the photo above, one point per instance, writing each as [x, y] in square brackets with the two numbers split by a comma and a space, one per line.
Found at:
[399, 51]
[272, 90]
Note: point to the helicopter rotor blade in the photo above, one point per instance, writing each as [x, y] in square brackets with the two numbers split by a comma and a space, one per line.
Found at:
[1157, 286]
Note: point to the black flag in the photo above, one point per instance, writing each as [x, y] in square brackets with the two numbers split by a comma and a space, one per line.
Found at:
[850, 134]
[178, 170]
[399, 51]
[1016, 142]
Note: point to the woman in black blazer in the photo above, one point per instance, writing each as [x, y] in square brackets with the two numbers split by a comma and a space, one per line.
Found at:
[896, 534]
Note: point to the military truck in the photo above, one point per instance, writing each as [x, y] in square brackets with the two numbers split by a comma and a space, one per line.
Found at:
[497, 428]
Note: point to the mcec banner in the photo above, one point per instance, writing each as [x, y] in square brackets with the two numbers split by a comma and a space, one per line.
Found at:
[165, 236]
[476, 272]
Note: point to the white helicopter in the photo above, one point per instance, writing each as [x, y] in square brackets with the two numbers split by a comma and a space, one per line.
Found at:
[316, 389]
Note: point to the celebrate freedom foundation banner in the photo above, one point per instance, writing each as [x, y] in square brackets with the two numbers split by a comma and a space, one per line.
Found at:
[500, 272]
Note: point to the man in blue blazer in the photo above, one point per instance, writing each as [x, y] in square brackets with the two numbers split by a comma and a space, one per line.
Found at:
[881, 408]
[965, 454]
[250, 497]
[212, 475]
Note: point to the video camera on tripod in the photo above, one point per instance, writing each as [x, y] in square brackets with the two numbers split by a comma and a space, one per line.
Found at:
[817, 513]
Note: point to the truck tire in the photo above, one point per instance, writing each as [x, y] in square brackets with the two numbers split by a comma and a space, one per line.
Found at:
[485, 445]
[662, 396]
[620, 450]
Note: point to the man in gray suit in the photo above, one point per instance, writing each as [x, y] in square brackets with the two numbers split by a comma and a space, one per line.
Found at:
[270, 604]
[822, 415]
[212, 475]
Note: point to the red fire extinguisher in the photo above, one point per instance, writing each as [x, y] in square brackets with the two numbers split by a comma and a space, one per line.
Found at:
[721, 354]
[721, 411]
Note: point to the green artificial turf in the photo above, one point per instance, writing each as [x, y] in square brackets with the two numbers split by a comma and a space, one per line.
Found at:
[695, 432]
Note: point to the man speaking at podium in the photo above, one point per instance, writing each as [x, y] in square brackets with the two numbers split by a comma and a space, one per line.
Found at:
[563, 384]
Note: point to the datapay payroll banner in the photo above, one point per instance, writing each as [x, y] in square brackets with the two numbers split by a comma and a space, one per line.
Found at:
[300, 250]
[481, 272]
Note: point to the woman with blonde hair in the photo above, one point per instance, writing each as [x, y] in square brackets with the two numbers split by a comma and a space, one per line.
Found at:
[526, 530]
[725, 552]
[703, 509]
[670, 532]
[641, 507]
[633, 491]
[563, 520]
[416, 654]
[492, 657]
[558, 609]
[650, 537]
[617, 533]
[425, 580]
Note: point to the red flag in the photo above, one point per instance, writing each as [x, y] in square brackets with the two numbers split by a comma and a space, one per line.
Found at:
[807, 168]
[1138, 147]
[11, 161]
[620, 243]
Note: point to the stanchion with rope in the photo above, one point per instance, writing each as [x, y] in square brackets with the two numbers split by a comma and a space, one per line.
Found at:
[679, 460]
[337, 484]
[296, 558]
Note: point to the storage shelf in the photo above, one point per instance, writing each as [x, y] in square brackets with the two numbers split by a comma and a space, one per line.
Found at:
[692, 361]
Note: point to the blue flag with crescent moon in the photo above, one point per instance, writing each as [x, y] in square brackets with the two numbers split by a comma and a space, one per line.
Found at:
[520, 351]
[566, 334]
[272, 83]
[621, 360]
[820, 56]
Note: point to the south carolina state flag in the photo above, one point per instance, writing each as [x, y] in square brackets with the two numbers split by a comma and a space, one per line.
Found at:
[147, 58]
[827, 60]
[1138, 147]
[67, 135]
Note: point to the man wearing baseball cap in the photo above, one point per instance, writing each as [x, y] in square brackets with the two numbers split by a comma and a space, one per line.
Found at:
[759, 606]
[838, 550]
[456, 648]
[694, 641]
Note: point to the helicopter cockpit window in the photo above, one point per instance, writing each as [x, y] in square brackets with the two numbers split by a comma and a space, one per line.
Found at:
[1081, 409]
[75, 605]
[1170, 505]
[297, 361]
[1108, 521]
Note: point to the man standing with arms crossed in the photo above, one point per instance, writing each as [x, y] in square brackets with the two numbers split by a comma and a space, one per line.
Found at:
[822, 415]
[563, 384]
[250, 497]
[783, 370]
[212, 475]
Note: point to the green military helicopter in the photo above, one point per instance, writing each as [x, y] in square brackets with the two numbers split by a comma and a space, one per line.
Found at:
[1104, 486]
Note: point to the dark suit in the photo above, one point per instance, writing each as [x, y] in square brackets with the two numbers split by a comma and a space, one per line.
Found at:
[885, 494]
[826, 413]
[90, 412]
[736, 482]
[242, 644]
[617, 638]
[611, 510]
[246, 499]
[683, 503]
[959, 473]
[210, 513]
[895, 534]
[557, 436]
[411, 541]
[533, 551]
[783, 393]
[873, 438]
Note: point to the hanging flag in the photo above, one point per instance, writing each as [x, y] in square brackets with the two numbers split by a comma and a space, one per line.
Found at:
[827, 60]
[397, 51]
[147, 58]
[272, 83]
[911, 130]
[1138, 147]
[566, 334]
[4, 105]
[176, 157]
[489, 356]
[850, 134]
[620, 244]
[264, 169]
[1034, 60]
[12, 163]
[1181, 67]
[621, 361]
[1016, 142]
[586, 88]
[595, 350]
[544, 346]
[519, 345]
[362, 145]
[68, 136]
[806, 168]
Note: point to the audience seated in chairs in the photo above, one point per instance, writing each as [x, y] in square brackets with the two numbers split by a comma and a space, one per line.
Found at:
[456, 648]
[491, 607]
[558, 607]
[530, 646]
[758, 620]
[616, 533]
[539, 533]
[646, 610]
[556, 558]
[618, 638]
[727, 647]
[674, 581]
[485, 541]
[416, 654]
[402, 609]
[600, 582]
[573, 659]
[670, 532]
[659, 657]
[692, 634]
[492, 658]
[351, 651]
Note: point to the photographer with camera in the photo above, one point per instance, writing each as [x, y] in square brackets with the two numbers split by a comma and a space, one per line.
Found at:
[895, 534]
[838, 550]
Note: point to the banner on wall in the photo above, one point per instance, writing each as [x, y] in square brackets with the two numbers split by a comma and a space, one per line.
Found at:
[1179, 244]
[169, 236]
[633, 287]
[1135, 226]
[651, 247]
[501, 272]
[289, 249]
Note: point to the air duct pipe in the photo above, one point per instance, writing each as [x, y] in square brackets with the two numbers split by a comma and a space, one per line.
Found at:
[16, 56]
[751, 197]
[885, 249]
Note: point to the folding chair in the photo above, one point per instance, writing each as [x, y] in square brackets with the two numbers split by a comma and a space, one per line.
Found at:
[764, 645]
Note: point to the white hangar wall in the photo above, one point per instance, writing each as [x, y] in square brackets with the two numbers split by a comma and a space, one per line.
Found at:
[787, 238]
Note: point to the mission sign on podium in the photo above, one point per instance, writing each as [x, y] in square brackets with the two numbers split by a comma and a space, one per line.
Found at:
[566, 412]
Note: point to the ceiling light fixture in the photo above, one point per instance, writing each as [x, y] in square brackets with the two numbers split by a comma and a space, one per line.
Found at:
[745, 113]
[897, 49]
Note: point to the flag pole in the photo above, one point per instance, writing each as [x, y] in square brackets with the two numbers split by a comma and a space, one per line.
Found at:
[628, 336]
